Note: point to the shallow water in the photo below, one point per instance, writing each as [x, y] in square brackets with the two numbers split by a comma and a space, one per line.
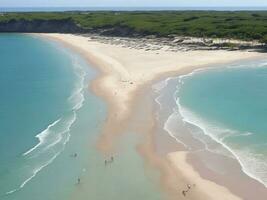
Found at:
[50, 124]
[44, 99]
[226, 105]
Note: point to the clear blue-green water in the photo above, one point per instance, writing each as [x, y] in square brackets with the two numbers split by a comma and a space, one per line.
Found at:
[48, 115]
[229, 105]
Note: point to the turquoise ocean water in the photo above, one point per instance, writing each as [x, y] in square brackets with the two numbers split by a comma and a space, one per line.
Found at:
[47, 115]
[227, 105]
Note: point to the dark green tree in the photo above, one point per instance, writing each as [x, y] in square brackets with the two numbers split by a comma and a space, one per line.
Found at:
[264, 40]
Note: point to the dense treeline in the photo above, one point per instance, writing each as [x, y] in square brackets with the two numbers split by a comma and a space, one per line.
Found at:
[245, 25]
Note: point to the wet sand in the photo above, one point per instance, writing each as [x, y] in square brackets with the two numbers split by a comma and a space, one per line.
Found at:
[125, 75]
[195, 159]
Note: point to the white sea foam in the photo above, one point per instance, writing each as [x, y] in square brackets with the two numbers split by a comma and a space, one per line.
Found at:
[252, 163]
[41, 137]
[61, 134]
[237, 134]
[35, 172]
[62, 139]
[170, 132]
[77, 97]
[53, 139]
[251, 64]
[161, 85]
[157, 88]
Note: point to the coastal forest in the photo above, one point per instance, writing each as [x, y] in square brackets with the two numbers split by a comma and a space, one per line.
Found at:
[243, 25]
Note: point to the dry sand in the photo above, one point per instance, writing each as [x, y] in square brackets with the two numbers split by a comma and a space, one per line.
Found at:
[125, 71]
[198, 185]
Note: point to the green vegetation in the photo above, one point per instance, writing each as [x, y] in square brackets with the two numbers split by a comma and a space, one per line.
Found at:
[245, 25]
[264, 39]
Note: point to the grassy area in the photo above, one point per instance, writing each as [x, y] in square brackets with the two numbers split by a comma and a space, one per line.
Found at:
[245, 25]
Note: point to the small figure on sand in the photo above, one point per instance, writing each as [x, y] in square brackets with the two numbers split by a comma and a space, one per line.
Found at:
[188, 189]
[188, 186]
[78, 181]
[74, 155]
[111, 160]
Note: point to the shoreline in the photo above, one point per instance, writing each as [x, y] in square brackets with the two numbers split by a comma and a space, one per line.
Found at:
[214, 139]
[120, 83]
[192, 152]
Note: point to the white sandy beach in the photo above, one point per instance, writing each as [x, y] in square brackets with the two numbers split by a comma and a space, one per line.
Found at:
[126, 70]
[208, 189]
